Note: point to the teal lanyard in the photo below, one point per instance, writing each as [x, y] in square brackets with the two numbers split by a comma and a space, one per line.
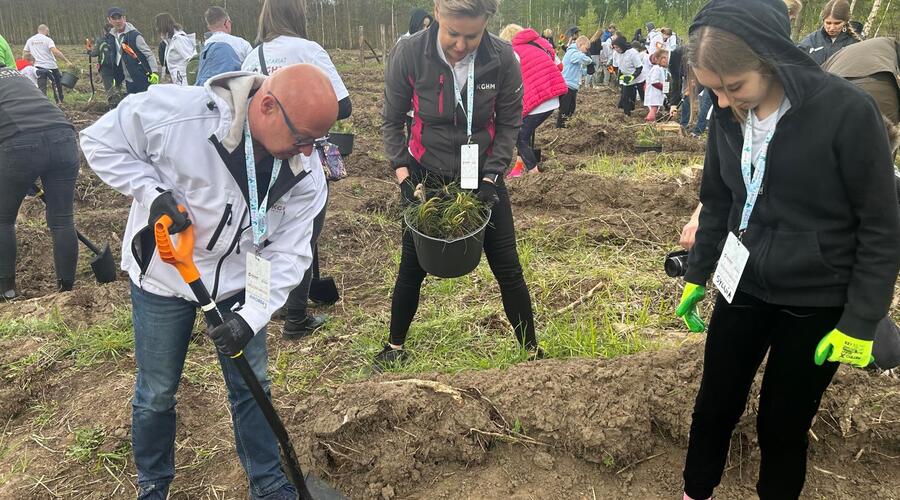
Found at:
[470, 94]
[753, 178]
[257, 211]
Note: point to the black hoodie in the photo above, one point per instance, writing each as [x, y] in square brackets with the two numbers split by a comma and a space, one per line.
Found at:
[416, 17]
[825, 231]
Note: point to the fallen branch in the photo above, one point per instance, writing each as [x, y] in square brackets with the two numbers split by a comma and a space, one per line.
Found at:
[647, 459]
[429, 384]
[518, 438]
[581, 300]
[823, 471]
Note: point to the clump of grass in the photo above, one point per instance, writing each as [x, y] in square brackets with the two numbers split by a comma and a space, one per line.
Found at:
[648, 136]
[447, 212]
[87, 440]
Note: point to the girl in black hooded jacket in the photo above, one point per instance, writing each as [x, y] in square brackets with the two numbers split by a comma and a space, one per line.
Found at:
[807, 203]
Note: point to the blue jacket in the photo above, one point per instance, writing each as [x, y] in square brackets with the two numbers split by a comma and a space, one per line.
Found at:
[574, 66]
[216, 58]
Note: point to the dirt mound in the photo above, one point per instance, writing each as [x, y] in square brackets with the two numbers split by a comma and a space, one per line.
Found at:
[395, 435]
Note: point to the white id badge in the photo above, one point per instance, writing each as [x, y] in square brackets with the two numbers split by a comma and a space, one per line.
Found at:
[731, 267]
[469, 166]
[259, 277]
[666, 87]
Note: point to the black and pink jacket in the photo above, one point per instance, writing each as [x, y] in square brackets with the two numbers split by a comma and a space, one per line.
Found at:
[417, 78]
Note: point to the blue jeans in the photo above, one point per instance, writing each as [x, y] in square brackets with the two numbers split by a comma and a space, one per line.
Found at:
[705, 104]
[685, 118]
[162, 331]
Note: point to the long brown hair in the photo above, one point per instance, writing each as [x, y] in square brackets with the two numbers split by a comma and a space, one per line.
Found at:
[840, 10]
[723, 53]
[166, 25]
[281, 18]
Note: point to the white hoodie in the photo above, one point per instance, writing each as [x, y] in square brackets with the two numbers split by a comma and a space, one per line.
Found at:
[162, 140]
[179, 50]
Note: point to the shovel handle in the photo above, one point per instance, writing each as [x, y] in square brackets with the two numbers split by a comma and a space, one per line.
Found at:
[179, 254]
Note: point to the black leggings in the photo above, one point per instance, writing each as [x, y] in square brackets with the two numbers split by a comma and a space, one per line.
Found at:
[626, 100]
[295, 306]
[566, 107]
[500, 250]
[525, 141]
[51, 155]
[740, 335]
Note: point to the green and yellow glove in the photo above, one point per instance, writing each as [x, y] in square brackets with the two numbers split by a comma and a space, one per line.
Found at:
[687, 309]
[839, 347]
[626, 79]
[154, 78]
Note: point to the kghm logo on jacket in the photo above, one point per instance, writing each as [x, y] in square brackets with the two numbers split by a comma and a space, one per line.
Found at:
[487, 86]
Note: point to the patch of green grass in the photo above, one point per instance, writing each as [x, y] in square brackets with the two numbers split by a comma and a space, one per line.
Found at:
[86, 442]
[116, 459]
[13, 327]
[589, 299]
[642, 166]
[105, 341]
[44, 412]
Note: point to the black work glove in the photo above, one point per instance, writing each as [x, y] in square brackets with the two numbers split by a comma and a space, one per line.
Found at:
[487, 193]
[231, 336]
[407, 192]
[165, 204]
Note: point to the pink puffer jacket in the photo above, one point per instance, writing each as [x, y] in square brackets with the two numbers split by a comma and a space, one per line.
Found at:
[540, 75]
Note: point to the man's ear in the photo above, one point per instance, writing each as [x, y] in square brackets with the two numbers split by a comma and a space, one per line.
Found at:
[267, 104]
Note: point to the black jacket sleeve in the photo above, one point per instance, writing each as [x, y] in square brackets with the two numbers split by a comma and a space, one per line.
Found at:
[398, 92]
[868, 174]
[717, 200]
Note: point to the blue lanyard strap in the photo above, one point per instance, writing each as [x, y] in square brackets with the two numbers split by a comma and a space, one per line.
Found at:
[257, 211]
[753, 180]
[470, 94]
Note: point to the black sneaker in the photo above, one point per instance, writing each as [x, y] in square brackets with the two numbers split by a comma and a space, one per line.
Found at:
[387, 357]
[295, 330]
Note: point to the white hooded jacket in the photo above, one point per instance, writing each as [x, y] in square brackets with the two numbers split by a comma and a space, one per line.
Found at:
[166, 139]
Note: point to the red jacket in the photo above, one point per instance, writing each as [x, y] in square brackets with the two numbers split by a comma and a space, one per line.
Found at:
[540, 74]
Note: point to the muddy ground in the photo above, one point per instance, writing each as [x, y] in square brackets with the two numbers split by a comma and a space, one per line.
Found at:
[556, 428]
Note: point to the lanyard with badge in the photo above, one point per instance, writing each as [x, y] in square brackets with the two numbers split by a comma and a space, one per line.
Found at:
[735, 255]
[468, 151]
[259, 270]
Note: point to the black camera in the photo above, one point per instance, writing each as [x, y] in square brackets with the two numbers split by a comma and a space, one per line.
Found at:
[676, 264]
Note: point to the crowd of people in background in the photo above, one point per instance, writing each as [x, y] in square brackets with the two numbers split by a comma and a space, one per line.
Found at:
[433, 116]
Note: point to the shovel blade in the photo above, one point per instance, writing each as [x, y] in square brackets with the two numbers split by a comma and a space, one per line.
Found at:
[320, 490]
[104, 266]
[324, 291]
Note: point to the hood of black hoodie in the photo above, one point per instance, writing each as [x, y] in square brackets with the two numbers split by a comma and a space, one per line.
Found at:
[765, 27]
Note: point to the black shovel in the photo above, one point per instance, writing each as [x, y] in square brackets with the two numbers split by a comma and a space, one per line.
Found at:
[309, 487]
[322, 290]
[103, 264]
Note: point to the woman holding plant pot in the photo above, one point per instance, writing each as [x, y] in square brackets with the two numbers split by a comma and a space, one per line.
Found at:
[464, 86]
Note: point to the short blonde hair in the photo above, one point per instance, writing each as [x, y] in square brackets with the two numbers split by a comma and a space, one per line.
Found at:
[510, 31]
[582, 40]
[467, 8]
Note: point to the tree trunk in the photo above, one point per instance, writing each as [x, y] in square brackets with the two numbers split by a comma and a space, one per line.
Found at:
[852, 6]
[872, 15]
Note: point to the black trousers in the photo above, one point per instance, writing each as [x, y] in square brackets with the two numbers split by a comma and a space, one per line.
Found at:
[640, 88]
[500, 250]
[297, 301]
[740, 335]
[566, 107]
[626, 99]
[525, 141]
[53, 156]
[54, 76]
